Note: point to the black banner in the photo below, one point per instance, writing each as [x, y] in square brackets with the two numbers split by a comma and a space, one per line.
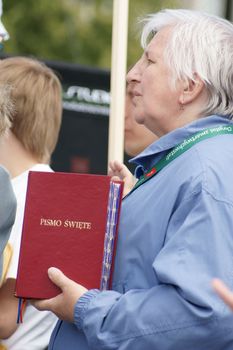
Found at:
[83, 141]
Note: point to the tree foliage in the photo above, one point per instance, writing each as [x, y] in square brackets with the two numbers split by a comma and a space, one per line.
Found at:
[76, 31]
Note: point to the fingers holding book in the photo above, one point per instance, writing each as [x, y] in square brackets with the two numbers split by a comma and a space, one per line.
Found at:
[63, 304]
[119, 171]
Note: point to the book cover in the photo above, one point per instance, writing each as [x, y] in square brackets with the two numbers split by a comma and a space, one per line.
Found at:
[70, 222]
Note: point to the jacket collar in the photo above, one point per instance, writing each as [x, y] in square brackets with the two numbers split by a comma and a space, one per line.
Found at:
[157, 149]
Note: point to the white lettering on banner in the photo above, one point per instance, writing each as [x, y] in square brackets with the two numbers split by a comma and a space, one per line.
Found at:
[88, 95]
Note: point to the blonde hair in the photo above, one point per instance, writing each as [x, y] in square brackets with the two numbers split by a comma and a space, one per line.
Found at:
[37, 98]
[6, 109]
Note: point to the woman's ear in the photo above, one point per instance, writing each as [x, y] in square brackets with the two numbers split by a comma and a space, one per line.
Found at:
[192, 89]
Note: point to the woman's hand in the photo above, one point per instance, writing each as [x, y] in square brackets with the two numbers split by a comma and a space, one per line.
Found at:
[118, 171]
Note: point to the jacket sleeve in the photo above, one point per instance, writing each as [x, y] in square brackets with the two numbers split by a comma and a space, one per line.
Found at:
[182, 311]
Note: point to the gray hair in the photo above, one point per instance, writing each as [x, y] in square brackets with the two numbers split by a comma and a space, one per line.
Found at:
[200, 44]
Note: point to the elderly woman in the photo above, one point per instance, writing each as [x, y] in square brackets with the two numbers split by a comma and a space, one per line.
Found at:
[176, 224]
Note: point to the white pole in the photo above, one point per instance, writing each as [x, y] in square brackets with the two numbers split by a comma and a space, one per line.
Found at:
[118, 80]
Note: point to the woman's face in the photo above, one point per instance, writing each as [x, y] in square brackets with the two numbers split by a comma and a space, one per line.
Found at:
[136, 137]
[156, 103]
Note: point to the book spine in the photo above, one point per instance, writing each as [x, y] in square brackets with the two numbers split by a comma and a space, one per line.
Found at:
[110, 234]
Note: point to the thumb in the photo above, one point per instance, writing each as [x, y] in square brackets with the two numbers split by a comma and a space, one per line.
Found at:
[58, 277]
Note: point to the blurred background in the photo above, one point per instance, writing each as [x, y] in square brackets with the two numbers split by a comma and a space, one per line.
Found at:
[79, 31]
[74, 38]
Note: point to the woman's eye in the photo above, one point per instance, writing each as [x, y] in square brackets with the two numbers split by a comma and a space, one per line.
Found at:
[150, 61]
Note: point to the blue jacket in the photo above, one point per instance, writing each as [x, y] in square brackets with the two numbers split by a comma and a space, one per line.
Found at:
[175, 236]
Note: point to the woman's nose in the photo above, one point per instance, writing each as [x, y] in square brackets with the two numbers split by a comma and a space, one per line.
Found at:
[134, 73]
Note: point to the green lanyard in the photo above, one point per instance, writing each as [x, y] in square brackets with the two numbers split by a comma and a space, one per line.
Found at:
[180, 149]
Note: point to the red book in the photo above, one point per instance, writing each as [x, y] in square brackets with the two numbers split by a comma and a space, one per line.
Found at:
[70, 222]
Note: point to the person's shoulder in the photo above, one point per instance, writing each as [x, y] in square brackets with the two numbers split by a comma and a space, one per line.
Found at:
[7, 210]
[4, 175]
[216, 161]
[215, 152]
[6, 190]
